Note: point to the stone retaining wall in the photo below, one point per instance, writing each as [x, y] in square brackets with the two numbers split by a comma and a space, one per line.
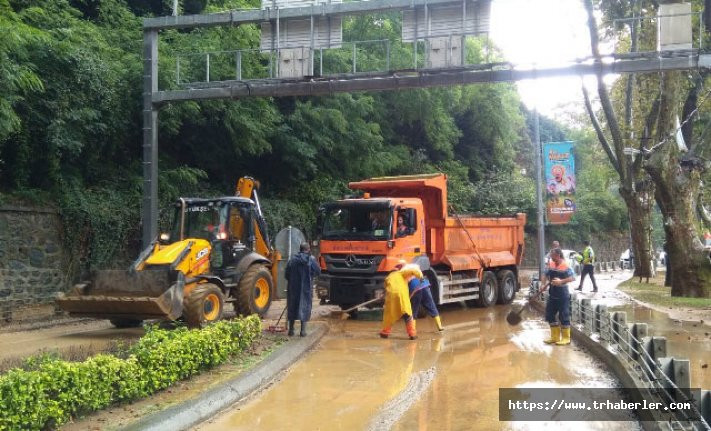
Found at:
[32, 260]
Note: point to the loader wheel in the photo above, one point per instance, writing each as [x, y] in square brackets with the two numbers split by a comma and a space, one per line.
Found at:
[488, 290]
[255, 291]
[203, 305]
[507, 286]
[126, 323]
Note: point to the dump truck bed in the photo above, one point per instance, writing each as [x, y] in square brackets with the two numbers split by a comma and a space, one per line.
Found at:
[456, 241]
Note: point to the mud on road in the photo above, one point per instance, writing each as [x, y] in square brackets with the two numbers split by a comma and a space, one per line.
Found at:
[441, 381]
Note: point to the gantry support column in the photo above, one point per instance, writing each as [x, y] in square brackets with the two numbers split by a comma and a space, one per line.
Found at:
[149, 214]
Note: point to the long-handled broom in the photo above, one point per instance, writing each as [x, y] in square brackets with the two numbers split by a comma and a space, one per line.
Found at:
[343, 314]
[514, 317]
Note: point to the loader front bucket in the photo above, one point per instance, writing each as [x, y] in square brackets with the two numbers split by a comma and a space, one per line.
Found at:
[136, 295]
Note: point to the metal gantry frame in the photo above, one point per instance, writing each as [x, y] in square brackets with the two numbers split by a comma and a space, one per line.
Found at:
[154, 98]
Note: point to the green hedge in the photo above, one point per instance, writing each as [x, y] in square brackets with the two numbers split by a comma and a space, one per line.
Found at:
[51, 391]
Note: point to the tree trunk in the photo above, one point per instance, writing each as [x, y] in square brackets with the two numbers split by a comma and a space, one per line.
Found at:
[677, 188]
[640, 213]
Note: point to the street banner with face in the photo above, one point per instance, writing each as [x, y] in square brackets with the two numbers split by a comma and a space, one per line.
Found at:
[559, 168]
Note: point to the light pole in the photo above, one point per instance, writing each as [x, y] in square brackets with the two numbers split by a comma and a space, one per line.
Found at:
[539, 193]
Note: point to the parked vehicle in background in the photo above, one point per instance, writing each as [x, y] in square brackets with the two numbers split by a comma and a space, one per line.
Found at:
[626, 259]
[569, 256]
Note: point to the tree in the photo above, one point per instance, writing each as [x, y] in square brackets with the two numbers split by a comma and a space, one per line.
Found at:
[663, 170]
[636, 192]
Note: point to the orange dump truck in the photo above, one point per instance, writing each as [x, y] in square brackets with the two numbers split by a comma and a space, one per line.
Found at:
[466, 258]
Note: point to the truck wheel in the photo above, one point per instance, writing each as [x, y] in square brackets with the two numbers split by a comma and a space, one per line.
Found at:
[255, 291]
[126, 323]
[488, 290]
[507, 286]
[204, 305]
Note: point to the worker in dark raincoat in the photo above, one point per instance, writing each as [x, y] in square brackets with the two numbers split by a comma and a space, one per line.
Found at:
[300, 272]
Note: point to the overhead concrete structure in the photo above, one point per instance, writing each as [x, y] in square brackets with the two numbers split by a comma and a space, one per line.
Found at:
[426, 22]
[674, 31]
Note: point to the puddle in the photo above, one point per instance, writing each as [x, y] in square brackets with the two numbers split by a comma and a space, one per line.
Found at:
[443, 381]
[690, 340]
[89, 337]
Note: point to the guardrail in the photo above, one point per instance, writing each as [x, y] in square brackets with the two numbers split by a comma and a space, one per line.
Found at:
[642, 361]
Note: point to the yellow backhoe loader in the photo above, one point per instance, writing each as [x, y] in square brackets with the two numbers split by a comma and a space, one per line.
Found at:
[216, 252]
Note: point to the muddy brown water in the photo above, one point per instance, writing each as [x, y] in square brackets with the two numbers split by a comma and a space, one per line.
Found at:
[685, 340]
[442, 381]
[73, 339]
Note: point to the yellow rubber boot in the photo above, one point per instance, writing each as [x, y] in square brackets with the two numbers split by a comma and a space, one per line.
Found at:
[438, 322]
[555, 335]
[565, 339]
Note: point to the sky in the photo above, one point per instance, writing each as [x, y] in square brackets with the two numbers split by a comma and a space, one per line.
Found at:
[544, 33]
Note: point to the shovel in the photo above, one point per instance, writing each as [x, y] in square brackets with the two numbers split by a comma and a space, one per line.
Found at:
[514, 317]
[343, 314]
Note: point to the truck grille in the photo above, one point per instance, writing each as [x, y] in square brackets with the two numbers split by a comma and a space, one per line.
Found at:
[353, 263]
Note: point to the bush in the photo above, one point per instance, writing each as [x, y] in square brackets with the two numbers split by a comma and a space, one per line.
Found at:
[50, 391]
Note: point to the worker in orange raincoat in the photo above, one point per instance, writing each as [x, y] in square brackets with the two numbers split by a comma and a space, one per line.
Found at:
[397, 299]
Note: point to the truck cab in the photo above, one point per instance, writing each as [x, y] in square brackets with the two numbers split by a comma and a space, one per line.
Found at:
[362, 240]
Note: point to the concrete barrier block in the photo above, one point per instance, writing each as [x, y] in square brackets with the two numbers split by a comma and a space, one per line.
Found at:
[619, 327]
[638, 331]
[597, 324]
[574, 308]
[587, 315]
[704, 405]
[605, 325]
[679, 372]
[659, 347]
[656, 348]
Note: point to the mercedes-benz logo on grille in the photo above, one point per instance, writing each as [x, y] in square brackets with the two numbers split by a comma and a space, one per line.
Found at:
[351, 260]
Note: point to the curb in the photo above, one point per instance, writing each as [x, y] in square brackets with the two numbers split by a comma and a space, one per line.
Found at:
[200, 408]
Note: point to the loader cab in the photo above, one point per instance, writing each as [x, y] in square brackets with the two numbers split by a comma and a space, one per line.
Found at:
[227, 223]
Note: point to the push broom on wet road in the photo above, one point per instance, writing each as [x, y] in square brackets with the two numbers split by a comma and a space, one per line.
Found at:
[514, 316]
[344, 314]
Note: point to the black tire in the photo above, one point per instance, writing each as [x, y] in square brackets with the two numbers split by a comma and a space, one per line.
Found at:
[255, 291]
[204, 305]
[488, 290]
[126, 323]
[434, 285]
[507, 286]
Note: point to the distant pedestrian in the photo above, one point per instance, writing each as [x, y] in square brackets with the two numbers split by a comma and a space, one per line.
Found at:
[397, 299]
[420, 294]
[300, 272]
[558, 306]
[588, 260]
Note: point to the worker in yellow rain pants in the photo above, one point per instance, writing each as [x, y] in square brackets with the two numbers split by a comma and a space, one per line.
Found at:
[397, 299]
